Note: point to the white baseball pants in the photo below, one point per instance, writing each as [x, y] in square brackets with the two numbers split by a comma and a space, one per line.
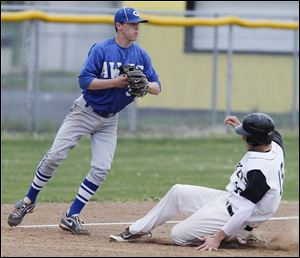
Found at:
[207, 206]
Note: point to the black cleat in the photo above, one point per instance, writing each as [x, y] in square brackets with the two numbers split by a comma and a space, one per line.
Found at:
[127, 236]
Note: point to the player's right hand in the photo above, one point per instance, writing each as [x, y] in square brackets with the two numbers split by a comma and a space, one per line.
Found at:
[121, 81]
[232, 120]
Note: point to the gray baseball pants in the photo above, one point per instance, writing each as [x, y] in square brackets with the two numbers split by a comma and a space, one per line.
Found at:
[82, 121]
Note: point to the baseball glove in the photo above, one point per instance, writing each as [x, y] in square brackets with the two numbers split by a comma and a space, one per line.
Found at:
[138, 83]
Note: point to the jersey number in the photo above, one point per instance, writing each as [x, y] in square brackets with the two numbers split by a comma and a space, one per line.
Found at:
[280, 178]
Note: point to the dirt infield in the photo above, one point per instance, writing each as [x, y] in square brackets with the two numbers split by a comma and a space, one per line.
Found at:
[282, 237]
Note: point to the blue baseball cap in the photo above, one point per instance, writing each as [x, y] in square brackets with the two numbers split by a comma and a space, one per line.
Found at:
[128, 15]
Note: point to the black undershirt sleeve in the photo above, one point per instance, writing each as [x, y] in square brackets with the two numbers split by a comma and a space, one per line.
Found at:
[256, 186]
[278, 139]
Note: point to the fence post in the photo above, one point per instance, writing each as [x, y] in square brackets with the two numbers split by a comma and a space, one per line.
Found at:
[229, 72]
[132, 117]
[214, 79]
[63, 53]
[295, 119]
[33, 74]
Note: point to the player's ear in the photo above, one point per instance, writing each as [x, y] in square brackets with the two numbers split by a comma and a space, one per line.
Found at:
[118, 26]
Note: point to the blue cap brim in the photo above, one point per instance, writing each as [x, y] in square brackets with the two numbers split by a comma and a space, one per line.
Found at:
[136, 20]
[240, 130]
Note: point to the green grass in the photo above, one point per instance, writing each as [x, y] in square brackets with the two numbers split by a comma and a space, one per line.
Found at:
[143, 169]
[49, 81]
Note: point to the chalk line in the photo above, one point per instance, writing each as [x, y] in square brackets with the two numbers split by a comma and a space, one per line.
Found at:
[129, 223]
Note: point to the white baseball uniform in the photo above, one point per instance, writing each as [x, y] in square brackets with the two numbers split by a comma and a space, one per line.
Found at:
[251, 197]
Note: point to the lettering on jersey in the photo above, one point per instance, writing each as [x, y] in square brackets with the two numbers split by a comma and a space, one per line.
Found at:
[111, 69]
[281, 178]
[237, 189]
[141, 67]
[104, 72]
[241, 181]
[114, 69]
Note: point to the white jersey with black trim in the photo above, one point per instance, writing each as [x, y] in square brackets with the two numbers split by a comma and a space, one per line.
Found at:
[271, 165]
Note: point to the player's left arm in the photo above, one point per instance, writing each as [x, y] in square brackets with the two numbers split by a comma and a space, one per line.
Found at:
[154, 88]
[154, 83]
[212, 242]
[254, 191]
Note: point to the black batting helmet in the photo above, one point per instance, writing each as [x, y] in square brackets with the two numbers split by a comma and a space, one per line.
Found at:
[258, 127]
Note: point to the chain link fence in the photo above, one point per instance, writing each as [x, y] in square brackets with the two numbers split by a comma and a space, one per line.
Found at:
[41, 63]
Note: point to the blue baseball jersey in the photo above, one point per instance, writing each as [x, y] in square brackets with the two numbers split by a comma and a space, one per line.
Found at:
[103, 61]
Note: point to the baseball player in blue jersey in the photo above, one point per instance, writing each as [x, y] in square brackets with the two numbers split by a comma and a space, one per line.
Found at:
[252, 195]
[95, 112]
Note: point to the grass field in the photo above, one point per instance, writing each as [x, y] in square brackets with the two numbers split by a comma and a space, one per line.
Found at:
[143, 169]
